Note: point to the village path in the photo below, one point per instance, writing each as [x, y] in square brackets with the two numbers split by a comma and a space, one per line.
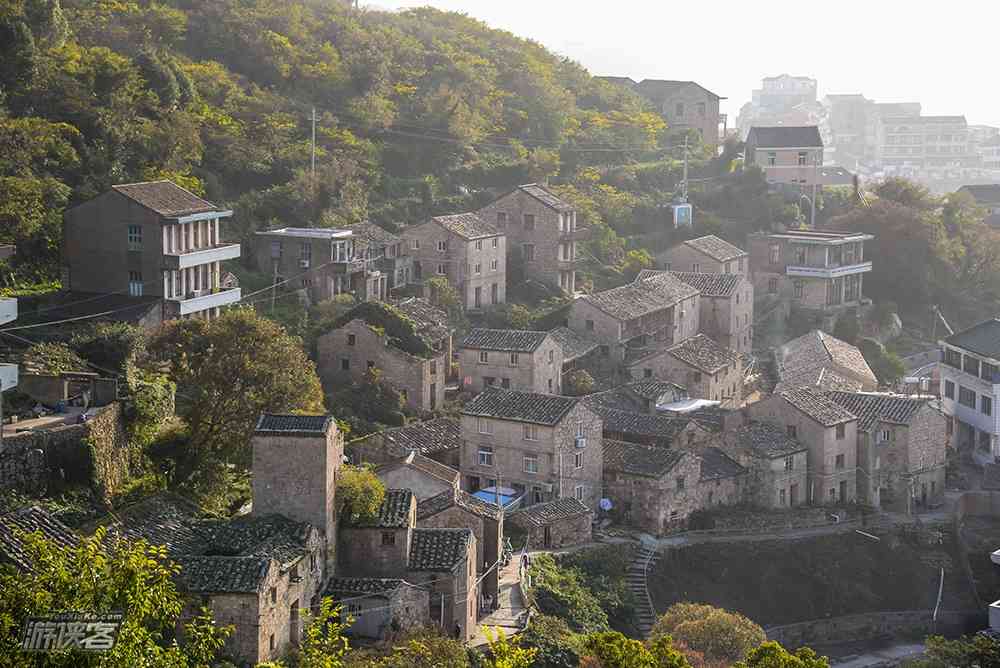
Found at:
[509, 615]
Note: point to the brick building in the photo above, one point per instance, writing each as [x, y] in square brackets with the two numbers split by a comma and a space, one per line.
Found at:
[467, 250]
[152, 239]
[633, 319]
[786, 154]
[708, 254]
[705, 369]
[542, 232]
[439, 439]
[822, 362]
[514, 359]
[542, 445]
[553, 524]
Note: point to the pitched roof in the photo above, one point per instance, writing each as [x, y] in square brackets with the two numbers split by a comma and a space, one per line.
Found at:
[631, 423]
[456, 498]
[394, 513]
[809, 361]
[506, 340]
[378, 587]
[423, 464]
[545, 196]
[374, 234]
[438, 549]
[162, 519]
[216, 574]
[635, 300]
[872, 408]
[665, 87]
[817, 406]
[544, 409]
[703, 353]
[716, 248]
[293, 425]
[266, 536]
[432, 322]
[710, 285]
[716, 465]
[641, 460]
[987, 193]
[981, 339]
[766, 439]
[467, 225]
[651, 388]
[573, 345]
[165, 198]
[786, 136]
[429, 437]
[546, 514]
[29, 520]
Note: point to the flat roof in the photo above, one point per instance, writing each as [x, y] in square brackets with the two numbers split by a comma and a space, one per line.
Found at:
[309, 232]
[821, 236]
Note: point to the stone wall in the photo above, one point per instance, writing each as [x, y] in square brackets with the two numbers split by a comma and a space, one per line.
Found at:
[564, 533]
[373, 552]
[910, 623]
[540, 371]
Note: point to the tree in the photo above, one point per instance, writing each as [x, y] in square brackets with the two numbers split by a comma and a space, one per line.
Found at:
[579, 382]
[967, 652]
[665, 654]
[555, 643]
[507, 652]
[719, 634]
[324, 644]
[17, 55]
[847, 328]
[419, 650]
[104, 574]
[634, 262]
[772, 655]
[359, 493]
[110, 346]
[444, 295]
[160, 77]
[614, 650]
[559, 592]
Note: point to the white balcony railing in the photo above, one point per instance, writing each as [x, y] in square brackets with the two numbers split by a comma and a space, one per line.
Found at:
[201, 256]
[204, 302]
[828, 272]
[8, 310]
[8, 376]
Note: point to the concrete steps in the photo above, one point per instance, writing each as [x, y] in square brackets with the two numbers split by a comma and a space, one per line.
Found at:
[636, 581]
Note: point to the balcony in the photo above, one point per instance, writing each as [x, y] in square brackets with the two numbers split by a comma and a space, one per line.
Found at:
[568, 265]
[194, 258]
[8, 376]
[195, 303]
[8, 310]
[800, 271]
[352, 266]
[579, 234]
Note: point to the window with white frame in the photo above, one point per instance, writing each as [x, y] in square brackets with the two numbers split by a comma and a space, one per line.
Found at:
[414, 244]
[443, 245]
[513, 359]
[135, 283]
[530, 432]
[530, 464]
[578, 492]
[135, 237]
[478, 268]
[578, 460]
[496, 242]
[484, 357]
[493, 264]
[485, 426]
[479, 244]
[442, 269]
[485, 455]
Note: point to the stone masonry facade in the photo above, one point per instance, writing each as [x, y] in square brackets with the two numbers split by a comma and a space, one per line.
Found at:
[539, 371]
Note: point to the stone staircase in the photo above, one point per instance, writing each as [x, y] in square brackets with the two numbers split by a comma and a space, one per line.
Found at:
[636, 578]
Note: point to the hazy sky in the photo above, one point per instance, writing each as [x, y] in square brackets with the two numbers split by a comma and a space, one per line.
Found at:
[940, 54]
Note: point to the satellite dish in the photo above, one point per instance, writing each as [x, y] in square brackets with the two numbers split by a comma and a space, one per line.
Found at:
[605, 504]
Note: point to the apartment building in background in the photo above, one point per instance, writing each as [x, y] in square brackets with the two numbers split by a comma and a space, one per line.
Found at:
[970, 389]
[787, 155]
[152, 239]
[467, 250]
[924, 142]
[542, 235]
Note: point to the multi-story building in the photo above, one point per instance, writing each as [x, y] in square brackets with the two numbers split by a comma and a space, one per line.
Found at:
[902, 444]
[151, 239]
[324, 262]
[822, 362]
[542, 445]
[989, 153]
[830, 432]
[685, 105]
[467, 250]
[851, 122]
[776, 462]
[8, 372]
[815, 270]
[699, 364]
[631, 320]
[924, 142]
[708, 254]
[987, 197]
[513, 359]
[542, 234]
[781, 100]
[970, 389]
[786, 154]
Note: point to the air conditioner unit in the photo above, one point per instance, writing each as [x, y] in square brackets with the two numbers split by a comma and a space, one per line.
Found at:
[304, 264]
[581, 442]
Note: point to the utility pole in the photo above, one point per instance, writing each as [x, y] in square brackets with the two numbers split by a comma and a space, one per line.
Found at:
[684, 183]
[274, 285]
[314, 147]
[812, 203]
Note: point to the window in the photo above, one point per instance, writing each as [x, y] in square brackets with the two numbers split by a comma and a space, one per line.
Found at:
[949, 389]
[496, 242]
[550, 386]
[505, 383]
[797, 288]
[388, 538]
[479, 244]
[529, 221]
[589, 325]
[493, 264]
[530, 464]
[791, 431]
[275, 250]
[485, 455]
[839, 462]
[530, 432]
[781, 497]
[501, 218]
[434, 367]
[443, 245]
[270, 642]
[135, 283]
[305, 252]
[987, 371]
[772, 158]
[273, 594]
[680, 483]
[695, 267]
[528, 251]
[345, 364]
[840, 431]
[971, 365]
[494, 291]
[647, 373]
[985, 440]
[552, 356]
[986, 404]
[578, 460]
[701, 109]
[772, 286]
[775, 255]
[789, 463]
[884, 435]
[313, 562]
[134, 237]
[484, 357]
[485, 426]
[953, 358]
[442, 269]
[513, 359]
[833, 494]
[351, 339]
[578, 493]
[966, 397]
[802, 158]
[680, 109]
[478, 268]
[414, 244]
[949, 425]
[739, 264]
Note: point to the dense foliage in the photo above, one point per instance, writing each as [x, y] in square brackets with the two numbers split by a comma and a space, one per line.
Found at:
[719, 634]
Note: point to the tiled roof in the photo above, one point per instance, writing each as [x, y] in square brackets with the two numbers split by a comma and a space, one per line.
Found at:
[423, 464]
[432, 322]
[642, 460]
[573, 345]
[808, 361]
[544, 409]
[716, 248]
[165, 198]
[438, 549]
[293, 424]
[635, 424]
[710, 285]
[786, 136]
[660, 89]
[816, 405]
[467, 225]
[162, 519]
[30, 520]
[871, 408]
[766, 440]
[373, 234]
[981, 339]
[236, 575]
[428, 437]
[452, 498]
[716, 465]
[635, 300]
[394, 513]
[703, 353]
[546, 514]
[545, 196]
[507, 340]
[266, 536]
[654, 389]
[342, 587]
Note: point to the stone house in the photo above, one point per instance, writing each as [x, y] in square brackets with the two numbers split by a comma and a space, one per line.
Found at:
[829, 431]
[578, 351]
[421, 475]
[382, 608]
[543, 445]
[786, 154]
[902, 443]
[664, 430]
[543, 234]
[633, 319]
[822, 362]
[467, 250]
[708, 255]
[706, 369]
[412, 355]
[457, 509]
[726, 307]
[642, 396]
[777, 464]
[686, 105]
[514, 359]
[439, 439]
[553, 524]
[387, 251]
